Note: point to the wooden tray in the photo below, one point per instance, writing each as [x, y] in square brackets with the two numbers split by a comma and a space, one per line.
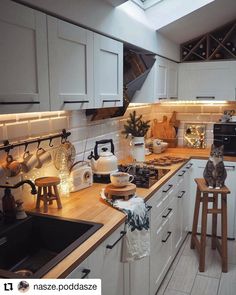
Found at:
[114, 192]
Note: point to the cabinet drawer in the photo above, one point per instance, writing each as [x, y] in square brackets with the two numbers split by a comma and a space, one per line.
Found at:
[160, 256]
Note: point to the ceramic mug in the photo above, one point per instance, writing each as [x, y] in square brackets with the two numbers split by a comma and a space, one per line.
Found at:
[11, 166]
[120, 179]
[43, 157]
[29, 162]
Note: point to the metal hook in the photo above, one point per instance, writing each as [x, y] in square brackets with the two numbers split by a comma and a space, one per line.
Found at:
[63, 139]
[50, 142]
[39, 142]
[26, 145]
[8, 146]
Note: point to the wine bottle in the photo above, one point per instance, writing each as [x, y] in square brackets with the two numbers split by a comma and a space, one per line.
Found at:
[201, 46]
[229, 45]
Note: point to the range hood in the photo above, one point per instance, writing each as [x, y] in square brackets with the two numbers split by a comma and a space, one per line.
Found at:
[137, 65]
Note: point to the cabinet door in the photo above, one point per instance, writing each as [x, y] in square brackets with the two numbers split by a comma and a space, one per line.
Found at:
[147, 92]
[204, 81]
[107, 264]
[70, 65]
[108, 72]
[161, 78]
[172, 85]
[160, 258]
[177, 224]
[23, 59]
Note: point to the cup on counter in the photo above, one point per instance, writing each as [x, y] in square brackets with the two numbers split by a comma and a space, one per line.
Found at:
[121, 179]
[29, 162]
[43, 157]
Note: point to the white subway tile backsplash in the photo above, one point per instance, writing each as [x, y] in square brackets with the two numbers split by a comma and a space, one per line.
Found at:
[18, 130]
[57, 124]
[39, 127]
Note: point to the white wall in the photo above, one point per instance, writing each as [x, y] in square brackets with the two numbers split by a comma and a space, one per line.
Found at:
[102, 17]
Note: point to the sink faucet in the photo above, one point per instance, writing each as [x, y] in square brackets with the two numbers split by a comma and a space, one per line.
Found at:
[33, 187]
[8, 201]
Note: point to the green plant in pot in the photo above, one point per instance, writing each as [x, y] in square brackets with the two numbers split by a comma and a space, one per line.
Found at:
[137, 128]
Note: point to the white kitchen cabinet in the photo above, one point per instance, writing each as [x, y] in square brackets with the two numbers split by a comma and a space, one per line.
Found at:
[86, 69]
[147, 92]
[197, 172]
[207, 80]
[166, 79]
[108, 72]
[161, 78]
[23, 59]
[105, 263]
[83, 271]
[161, 83]
[161, 250]
[70, 65]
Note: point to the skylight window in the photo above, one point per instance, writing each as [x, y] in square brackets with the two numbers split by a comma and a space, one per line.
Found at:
[144, 4]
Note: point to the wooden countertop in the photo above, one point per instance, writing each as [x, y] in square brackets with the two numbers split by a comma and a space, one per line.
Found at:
[87, 205]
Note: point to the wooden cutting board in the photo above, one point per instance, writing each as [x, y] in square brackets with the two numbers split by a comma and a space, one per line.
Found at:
[158, 129]
[174, 122]
[163, 129]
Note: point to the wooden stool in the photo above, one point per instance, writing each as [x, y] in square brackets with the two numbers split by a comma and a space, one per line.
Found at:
[45, 187]
[202, 195]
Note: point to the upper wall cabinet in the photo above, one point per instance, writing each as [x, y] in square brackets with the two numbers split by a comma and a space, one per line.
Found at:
[207, 81]
[70, 65]
[23, 59]
[108, 72]
[166, 79]
[42, 55]
[86, 69]
[161, 83]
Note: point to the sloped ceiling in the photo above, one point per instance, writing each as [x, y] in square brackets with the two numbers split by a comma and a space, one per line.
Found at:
[200, 21]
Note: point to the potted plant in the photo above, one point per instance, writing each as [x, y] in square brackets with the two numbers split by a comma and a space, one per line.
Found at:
[137, 128]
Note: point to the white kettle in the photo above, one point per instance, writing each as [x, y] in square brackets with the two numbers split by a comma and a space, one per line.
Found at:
[106, 162]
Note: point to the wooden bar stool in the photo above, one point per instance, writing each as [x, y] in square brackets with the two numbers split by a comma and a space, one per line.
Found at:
[202, 196]
[46, 186]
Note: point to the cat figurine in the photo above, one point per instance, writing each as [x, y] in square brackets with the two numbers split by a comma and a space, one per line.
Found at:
[215, 172]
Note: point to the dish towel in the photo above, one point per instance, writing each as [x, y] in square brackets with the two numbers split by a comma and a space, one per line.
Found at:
[137, 239]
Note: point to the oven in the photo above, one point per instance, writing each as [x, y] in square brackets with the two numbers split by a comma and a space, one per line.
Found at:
[225, 133]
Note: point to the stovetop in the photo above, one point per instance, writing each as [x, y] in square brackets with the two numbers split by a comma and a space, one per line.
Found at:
[144, 176]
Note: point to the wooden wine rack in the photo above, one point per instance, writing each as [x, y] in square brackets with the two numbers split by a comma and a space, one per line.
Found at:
[215, 45]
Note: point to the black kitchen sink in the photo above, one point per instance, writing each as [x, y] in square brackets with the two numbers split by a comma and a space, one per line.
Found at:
[31, 247]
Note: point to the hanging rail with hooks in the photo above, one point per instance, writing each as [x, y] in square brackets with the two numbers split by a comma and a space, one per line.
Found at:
[7, 146]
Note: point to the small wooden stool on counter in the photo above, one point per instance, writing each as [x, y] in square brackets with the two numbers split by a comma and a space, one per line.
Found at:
[202, 196]
[46, 186]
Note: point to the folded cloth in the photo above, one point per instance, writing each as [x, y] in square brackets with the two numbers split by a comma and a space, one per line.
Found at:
[137, 239]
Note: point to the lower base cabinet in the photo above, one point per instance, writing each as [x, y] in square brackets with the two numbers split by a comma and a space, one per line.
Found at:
[168, 209]
[105, 264]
